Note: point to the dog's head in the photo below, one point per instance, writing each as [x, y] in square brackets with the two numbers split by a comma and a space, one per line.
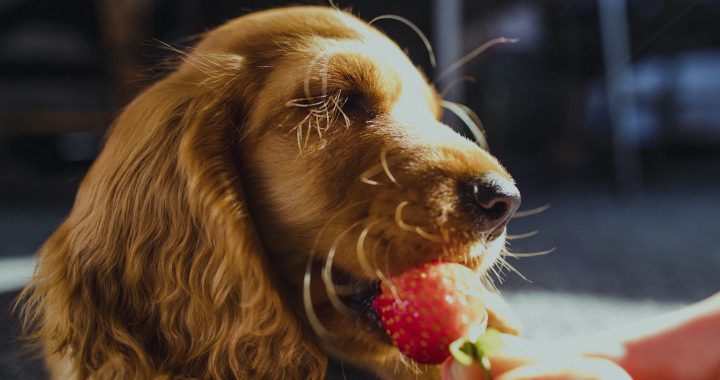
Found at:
[245, 207]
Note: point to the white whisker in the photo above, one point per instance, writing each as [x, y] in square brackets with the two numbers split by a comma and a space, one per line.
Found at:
[428, 236]
[327, 117]
[454, 82]
[296, 103]
[465, 59]
[317, 127]
[338, 107]
[384, 279]
[327, 270]
[530, 254]
[360, 249]
[417, 30]
[370, 182]
[469, 118]
[309, 130]
[507, 265]
[312, 317]
[299, 134]
[398, 216]
[496, 273]
[324, 74]
[373, 171]
[532, 211]
[386, 167]
[311, 66]
[522, 236]
[407, 227]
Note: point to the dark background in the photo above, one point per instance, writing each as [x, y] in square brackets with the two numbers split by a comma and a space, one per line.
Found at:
[625, 148]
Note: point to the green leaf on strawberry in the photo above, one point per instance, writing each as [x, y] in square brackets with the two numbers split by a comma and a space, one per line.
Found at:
[467, 350]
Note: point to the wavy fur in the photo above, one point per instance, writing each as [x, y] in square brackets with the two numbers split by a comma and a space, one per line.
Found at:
[157, 272]
[258, 164]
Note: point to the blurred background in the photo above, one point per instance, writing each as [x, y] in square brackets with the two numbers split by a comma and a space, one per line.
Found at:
[608, 111]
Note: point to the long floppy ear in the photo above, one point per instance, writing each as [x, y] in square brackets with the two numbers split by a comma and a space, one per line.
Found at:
[266, 334]
[158, 270]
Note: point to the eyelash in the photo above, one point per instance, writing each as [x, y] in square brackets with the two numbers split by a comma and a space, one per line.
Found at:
[322, 112]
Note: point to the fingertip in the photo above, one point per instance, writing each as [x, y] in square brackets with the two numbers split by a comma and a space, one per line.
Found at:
[501, 316]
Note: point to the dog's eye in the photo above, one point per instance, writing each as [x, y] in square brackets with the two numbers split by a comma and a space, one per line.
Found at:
[356, 104]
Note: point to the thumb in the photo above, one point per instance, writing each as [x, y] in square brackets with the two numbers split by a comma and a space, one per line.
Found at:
[513, 352]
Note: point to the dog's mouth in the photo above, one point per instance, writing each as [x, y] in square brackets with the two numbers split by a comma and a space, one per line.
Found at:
[358, 296]
[353, 295]
[361, 303]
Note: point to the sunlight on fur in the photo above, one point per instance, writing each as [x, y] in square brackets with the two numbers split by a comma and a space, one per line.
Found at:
[245, 209]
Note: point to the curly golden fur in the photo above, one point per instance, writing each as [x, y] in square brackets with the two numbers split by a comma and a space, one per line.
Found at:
[293, 157]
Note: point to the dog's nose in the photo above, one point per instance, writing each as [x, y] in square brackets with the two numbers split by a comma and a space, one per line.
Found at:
[491, 201]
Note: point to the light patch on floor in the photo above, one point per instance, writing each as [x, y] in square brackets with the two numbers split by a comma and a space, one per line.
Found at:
[559, 314]
[15, 272]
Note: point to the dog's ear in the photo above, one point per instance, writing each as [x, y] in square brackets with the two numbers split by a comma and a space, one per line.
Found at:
[158, 270]
[265, 334]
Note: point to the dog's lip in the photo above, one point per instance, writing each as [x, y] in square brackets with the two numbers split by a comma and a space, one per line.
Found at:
[360, 300]
[362, 291]
[362, 306]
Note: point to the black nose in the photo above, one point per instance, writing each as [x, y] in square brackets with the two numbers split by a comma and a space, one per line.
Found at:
[491, 201]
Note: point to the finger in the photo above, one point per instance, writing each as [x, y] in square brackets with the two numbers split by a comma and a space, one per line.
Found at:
[500, 316]
[568, 369]
[517, 352]
[520, 358]
[514, 352]
[452, 370]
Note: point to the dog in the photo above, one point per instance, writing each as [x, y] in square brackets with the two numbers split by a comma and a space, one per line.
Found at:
[244, 209]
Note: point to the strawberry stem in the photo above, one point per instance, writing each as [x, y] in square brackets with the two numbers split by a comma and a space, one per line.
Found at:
[465, 351]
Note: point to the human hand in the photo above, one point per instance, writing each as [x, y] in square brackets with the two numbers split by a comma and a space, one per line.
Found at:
[679, 345]
[519, 358]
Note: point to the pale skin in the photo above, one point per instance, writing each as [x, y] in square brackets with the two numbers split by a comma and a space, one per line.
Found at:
[684, 344]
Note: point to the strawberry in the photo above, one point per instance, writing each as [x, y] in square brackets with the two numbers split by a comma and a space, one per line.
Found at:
[425, 309]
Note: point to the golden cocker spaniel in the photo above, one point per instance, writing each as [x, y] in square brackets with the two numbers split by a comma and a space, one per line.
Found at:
[244, 209]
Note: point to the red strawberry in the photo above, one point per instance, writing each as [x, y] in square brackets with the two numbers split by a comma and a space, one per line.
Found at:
[425, 309]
